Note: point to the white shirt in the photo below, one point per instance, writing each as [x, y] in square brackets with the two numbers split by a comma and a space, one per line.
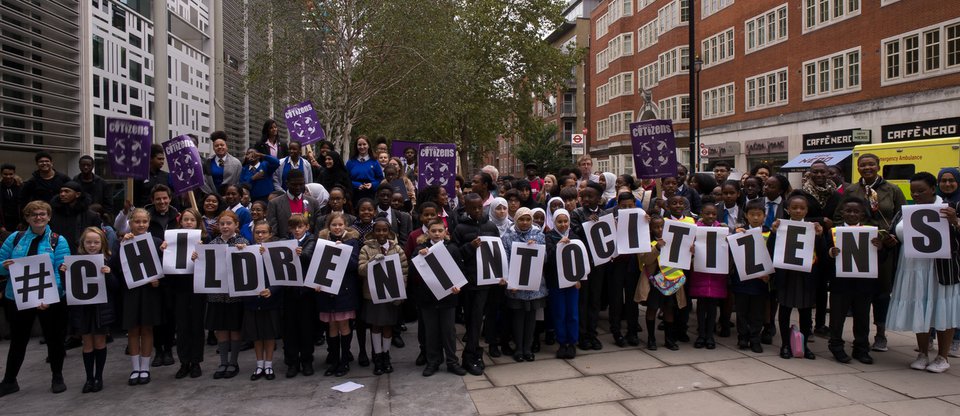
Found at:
[389, 212]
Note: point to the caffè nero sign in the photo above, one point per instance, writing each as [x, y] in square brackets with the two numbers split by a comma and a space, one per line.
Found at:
[929, 129]
[838, 139]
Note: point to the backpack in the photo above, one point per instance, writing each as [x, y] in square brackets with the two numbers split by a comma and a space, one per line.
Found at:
[54, 239]
[668, 280]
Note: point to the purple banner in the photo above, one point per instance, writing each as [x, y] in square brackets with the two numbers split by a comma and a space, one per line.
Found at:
[186, 169]
[437, 165]
[398, 146]
[303, 123]
[128, 147]
[654, 149]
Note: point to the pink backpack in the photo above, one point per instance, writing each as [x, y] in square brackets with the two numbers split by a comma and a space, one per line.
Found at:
[796, 342]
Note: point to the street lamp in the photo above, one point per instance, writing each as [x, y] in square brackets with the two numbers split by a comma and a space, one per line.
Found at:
[697, 67]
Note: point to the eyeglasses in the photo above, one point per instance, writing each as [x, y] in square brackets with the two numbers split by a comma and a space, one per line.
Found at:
[39, 214]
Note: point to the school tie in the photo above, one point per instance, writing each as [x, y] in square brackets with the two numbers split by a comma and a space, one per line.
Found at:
[771, 213]
[220, 162]
[726, 215]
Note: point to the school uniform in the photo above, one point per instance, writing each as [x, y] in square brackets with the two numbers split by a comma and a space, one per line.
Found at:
[733, 217]
[591, 291]
[708, 289]
[564, 303]
[299, 310]
[474, 297]
[796, 289]
[750, 301]
[261, 316]
[383, 314]
[849, 294]
[143, 305]
[438, 315]
[94, 319]
[524, 303]
[261, 188]
[225, 313]
[621, 278]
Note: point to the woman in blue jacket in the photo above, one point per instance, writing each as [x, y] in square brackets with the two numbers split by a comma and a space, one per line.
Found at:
[36, 239]
[257, 171]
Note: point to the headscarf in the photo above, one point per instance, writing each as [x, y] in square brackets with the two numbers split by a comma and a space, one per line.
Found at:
[558, 213]
[502, 224]
[549, 221]
[611, 190]
[540, 210]
[953, 197]
[524, 211]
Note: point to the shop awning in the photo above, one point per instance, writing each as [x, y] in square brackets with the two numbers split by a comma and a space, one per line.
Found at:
[804, 160]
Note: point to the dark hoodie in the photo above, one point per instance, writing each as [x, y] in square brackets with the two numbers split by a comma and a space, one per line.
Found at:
[97, 190]
[70, 220]
[467, 230]
[39, 189]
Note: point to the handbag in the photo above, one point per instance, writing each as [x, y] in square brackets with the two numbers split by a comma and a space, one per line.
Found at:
[669, 280]
[796, 342]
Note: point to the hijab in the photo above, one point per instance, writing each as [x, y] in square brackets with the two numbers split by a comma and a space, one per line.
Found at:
[524, 211]
[540, 210]
[953, 197]
[549, 219]
[610, 191]
[558, 213]
[502, 224]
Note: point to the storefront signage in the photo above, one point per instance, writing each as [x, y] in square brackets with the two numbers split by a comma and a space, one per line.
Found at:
[723, 150]
[766, 146]
[929, 129]
[838, 139]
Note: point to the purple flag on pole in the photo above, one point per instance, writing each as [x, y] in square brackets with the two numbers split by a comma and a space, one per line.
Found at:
[654, 149]
[128, 147]
[437, 165]
[186, 169]
[303, 123]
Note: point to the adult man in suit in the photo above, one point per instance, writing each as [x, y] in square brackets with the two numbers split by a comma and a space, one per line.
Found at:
[295, 201]
[222, 168]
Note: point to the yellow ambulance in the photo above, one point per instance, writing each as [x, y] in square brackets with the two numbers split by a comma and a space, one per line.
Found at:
[900, 160]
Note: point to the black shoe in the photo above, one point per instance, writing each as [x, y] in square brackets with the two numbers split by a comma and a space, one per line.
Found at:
[651, 344]
[377, 366]
[430, 370]
[474, 369]
[822, 331]
[595, 344]
[268, 374]
[518, 357]
[293, 370]
[494, 351]
[809, 354]
[766, 337]
[363, 360]
[135, 378]
[387, 366]
[144, 379]
[157, 359]
[306, 369]
[97, 385]
[756, 347]
[195, 370]
[562, 351]
[585, 344]
[421, 359]
[711, 344]
[71, 343]
[840, 355]
[785, 353]
[231, 373]
[633, 340]
[863, 357]
[529, 357]
[683, 336]
[535, 347]
[9, 388]
[331, 370]
[671, 345]
[571, 351]
[211, 338]
[619, 341]
[257, 374]
[456, 369]
[87, 387]
[507, 350]
[397, 341]
[221, 371]
[724, 330]
[743, 344]
[699, 343]
[183, 371]
[342, 369]
[550, 337]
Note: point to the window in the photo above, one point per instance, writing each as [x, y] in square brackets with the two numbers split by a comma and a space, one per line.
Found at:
[766, 90]
[672, 15]
[135, 71]
[718, 48]
[614, 125]
[821, 13]
[676, 108]
[766, 29]
[684, 11]
[616, 10]
[617, 85]
[134, 40]
[119, 19]
[709, 7]
[617, 47]
[927, 52]
[96, 86]
[673, 62]
[718, 102]
[641, 4]
[831, 75]
[97, 51]
[647, 35]
[647, 76]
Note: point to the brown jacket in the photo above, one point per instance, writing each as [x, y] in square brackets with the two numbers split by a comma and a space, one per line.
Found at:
[370, 250]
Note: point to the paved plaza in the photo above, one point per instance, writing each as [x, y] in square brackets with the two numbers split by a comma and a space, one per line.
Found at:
[612, 381]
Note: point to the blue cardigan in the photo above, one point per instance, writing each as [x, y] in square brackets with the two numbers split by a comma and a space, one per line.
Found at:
[262, 187]
[365, 172]
[8, 251]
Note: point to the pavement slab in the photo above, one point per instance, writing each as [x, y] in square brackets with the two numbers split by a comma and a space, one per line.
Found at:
[784, 396]
[666, 380]
[572, 392]
[694, 403]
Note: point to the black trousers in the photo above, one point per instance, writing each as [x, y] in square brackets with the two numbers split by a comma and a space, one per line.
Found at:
[474, 301]
[163, 334]
[707, 317]
[751, 314]
[523, 326]
[806, 323]
[299, 326]
[840, 303]
[496, 319]
[621, 285]
[440, 335]
[189, 310]
[53, 322]
[820, 318]
[591, 296]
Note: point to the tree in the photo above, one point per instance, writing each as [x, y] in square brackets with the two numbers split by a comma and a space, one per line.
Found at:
[543, 147]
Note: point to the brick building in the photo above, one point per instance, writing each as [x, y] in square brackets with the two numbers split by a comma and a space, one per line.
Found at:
[778, 77]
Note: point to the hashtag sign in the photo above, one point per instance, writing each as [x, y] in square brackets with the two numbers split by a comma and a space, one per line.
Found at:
[33, 279]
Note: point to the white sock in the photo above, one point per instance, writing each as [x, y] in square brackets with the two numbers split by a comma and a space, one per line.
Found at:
[376, 340]
[268, 364]
[135, 360]
[386, 344]
[145, 363]
[259, 363]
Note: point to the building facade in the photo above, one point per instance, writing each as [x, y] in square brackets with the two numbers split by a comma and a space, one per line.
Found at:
[776, 78]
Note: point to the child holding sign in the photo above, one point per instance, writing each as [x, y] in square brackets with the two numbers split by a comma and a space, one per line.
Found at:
[189, 308]
[853, 294]
[92, 322]
[751, 296]
[708, 288]
[563, 302]
[337, 310]
[261, 320]
[437, 315]
[301, 302]
[225, 314]
[659, 289]
[141, 305]
[796, 289]
[381, 317]
[524, 303]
